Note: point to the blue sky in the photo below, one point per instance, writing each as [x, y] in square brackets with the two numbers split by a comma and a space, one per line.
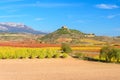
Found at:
[101, 17]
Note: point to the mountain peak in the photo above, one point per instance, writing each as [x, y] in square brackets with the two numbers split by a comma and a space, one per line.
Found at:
[17, 28]
[12, 24]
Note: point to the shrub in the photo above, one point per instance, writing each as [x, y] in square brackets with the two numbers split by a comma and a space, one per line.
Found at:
[49, 55]
[32, 56]
[42, 54]
[117, 55]
[110, 53]
[66, 48]
[64, 55]
[79, 55]
[57, 55]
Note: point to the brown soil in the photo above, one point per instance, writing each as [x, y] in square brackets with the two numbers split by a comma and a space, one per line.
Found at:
[28, 44]
[57, 69]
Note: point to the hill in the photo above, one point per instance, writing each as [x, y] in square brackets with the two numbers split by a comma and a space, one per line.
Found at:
[65, 34]
[18, 37]
[77, 37]
[9, 27]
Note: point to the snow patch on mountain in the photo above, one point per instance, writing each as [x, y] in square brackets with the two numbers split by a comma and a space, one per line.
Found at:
[3, 28]
[17, 28]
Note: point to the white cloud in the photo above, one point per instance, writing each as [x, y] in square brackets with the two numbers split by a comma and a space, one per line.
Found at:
[39, 19]
[113, 16]
[80, 21]
[38, 4]
[12, 16]
[117, 29]
[69, 16]
[106, 6]
[21, 6]
[53, 4]
[7, 1]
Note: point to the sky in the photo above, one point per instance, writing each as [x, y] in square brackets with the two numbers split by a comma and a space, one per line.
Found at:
[101, 17]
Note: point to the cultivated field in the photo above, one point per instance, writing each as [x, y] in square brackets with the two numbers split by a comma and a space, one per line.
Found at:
[57, 69]
[24, 61]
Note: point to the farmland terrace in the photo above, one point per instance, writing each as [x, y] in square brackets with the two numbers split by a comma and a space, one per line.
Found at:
[27, 44]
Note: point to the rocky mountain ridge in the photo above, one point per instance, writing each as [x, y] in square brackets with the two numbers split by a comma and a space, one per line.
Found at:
[11, 27]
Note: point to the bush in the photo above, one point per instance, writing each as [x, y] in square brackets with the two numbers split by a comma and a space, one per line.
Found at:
[110, 54]
[57, 55]
[66, 48]
[33, 55]
[42, 55]
[49, 53]
[79, 55]
[64, 55]
[117, 55]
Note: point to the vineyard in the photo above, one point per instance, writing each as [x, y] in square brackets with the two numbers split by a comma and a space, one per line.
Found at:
[87, 48]
[20, 53]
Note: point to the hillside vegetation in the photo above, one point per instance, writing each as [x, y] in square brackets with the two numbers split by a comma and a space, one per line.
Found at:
[64, 35]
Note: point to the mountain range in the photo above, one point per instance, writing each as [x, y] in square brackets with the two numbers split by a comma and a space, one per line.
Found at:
[11, 27]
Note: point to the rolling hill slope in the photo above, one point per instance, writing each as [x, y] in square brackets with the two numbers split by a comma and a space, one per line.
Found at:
[65, 34]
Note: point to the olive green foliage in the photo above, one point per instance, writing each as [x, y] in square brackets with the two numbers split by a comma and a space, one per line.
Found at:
[66, 48]
[110, 54]
[117, 55]
[79, 55]
[57, 55]
[29, 53]
[64, 55]
[63, 31]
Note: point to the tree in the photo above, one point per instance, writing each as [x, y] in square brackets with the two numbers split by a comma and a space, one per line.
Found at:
[117, 55]
[109, 53]
[66, 48]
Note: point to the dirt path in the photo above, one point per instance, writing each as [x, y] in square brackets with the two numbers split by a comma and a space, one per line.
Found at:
[57, 69]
